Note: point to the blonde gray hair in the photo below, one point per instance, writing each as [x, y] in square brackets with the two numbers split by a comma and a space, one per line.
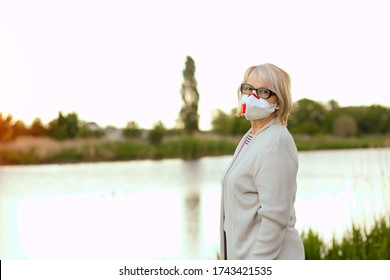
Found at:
[275, 79]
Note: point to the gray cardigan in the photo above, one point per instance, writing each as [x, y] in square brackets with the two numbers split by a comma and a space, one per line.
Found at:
[258, 196]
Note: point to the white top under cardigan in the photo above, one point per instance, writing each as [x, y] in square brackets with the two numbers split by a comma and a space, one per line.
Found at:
[258, 196]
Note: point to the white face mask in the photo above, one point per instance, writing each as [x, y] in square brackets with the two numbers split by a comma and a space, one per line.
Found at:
[255, 108]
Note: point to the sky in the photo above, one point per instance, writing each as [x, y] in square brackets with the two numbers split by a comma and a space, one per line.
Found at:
[115, 61]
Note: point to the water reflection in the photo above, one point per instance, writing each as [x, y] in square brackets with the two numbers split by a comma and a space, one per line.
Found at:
[191, 224]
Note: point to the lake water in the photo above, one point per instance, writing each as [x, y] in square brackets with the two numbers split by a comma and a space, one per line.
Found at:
[169, 209]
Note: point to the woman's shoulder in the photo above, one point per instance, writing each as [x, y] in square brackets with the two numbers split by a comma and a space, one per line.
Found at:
[279, 130]
[281, 136]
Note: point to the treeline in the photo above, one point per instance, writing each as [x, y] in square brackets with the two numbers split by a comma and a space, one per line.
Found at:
[69, 126]
[63, 127]
[314, 118]
[308, 118]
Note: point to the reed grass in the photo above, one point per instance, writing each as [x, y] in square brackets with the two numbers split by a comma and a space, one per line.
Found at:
[358, 243]
[305, 143]
[83, 150]
[193, 148]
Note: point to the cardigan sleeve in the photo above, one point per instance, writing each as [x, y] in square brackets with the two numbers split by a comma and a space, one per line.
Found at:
[274, 181]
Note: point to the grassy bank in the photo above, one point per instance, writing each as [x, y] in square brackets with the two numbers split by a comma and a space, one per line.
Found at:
[305, 143]
[358, 243]
[30, 150]
[38, 151]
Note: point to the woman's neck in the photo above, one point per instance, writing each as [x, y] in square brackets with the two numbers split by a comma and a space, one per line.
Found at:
[257, 125]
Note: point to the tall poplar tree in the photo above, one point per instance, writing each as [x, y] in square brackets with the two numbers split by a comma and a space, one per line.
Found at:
[189, 116]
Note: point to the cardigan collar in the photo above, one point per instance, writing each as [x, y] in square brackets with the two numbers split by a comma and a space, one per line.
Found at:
[268, 124]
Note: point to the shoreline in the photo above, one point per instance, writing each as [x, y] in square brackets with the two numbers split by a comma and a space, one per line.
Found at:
[42, 150]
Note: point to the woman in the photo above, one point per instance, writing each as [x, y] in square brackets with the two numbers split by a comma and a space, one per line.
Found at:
[259, 186]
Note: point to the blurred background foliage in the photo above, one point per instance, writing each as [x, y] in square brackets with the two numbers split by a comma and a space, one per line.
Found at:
[314, 118]
[308, 118]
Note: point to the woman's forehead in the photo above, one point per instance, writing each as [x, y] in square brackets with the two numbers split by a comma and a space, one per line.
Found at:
[255, 80]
